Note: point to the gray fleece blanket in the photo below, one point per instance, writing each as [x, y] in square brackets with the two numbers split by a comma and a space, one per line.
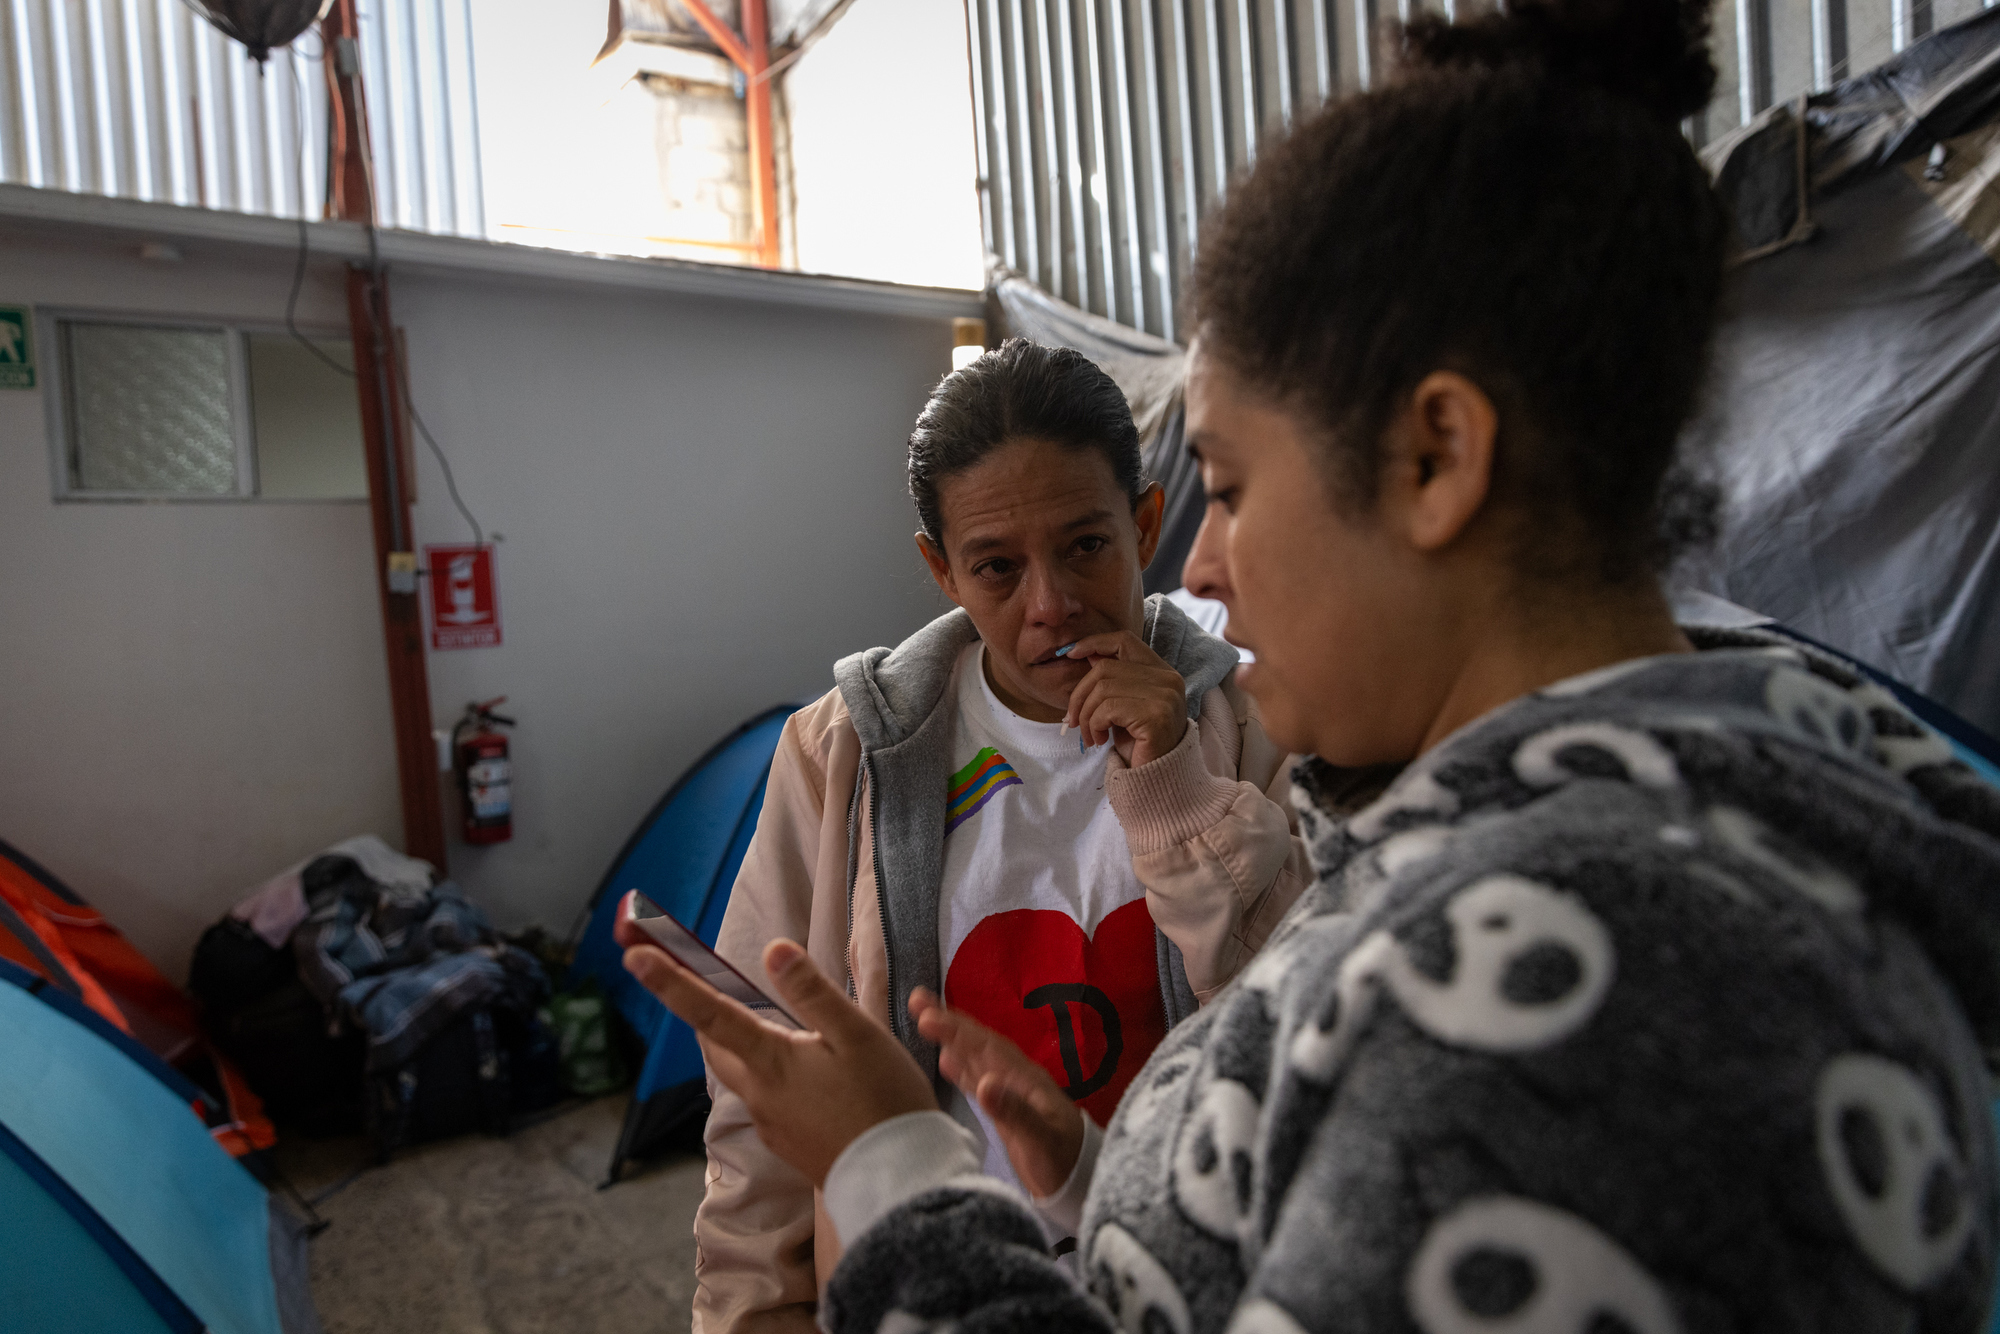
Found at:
[1651, 1002]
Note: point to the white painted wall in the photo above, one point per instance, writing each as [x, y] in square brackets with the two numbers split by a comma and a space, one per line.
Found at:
[192, 695]
[700, 506]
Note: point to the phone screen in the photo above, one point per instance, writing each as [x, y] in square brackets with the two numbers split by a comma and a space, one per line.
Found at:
[704, 962]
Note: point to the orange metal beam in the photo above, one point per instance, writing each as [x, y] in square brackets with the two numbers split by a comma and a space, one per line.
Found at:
[757, 109]
[751, 53]
[350, 193]
[377, 377]
[719, 33]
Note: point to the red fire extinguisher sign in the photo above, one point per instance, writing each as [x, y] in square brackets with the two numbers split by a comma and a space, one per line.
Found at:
[465, 605]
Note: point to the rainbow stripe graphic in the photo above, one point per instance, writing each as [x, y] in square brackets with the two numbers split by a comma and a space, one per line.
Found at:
[975, 785]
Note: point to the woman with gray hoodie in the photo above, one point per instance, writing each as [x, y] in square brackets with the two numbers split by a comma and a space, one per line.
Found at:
[1648, 977]
[1048, 805]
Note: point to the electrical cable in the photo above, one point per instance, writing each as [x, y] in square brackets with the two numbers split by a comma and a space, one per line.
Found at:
[401, 389]
[305, 239]
[444, 465]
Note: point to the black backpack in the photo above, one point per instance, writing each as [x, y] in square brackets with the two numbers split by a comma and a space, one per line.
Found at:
[262, 1017]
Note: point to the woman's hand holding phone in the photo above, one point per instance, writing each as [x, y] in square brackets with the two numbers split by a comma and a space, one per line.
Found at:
[1040, 1127]
[809, 1094]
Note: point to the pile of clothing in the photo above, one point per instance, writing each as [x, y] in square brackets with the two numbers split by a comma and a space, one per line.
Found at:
[357, 991]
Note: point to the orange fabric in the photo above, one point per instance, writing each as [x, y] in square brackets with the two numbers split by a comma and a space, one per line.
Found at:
[122, 985]
[248, 1129]
[140, 988]
[23, 894]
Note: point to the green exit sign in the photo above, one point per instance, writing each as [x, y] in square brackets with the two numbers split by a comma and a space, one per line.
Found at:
[17, 348]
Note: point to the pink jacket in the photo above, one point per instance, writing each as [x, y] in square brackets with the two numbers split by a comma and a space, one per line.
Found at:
[1213, 846]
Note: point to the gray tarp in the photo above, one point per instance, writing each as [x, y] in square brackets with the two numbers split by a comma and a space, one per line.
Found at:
[1854, 422]
[1855, 416]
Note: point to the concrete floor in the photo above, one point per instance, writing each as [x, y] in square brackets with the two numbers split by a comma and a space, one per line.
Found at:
[501, 1236]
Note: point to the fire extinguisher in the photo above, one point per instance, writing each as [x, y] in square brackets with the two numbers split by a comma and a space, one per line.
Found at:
[485, 774]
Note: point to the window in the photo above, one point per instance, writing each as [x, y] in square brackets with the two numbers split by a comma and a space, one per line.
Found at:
[150, 410]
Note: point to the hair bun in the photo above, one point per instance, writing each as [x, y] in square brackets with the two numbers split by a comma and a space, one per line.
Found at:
[1653, 52]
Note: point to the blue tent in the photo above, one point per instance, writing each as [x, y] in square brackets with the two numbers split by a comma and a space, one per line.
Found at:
[684, 856]
[119, 1212]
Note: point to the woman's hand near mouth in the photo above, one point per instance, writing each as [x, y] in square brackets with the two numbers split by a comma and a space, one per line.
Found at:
[1129, 697]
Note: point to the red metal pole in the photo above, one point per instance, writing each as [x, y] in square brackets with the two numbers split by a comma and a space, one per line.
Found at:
[340, 32]
[763, 157]
[751, 53]
[377, 378]
[719, 33]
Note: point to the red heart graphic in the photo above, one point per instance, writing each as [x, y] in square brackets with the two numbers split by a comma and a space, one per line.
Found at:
[1087, 1008]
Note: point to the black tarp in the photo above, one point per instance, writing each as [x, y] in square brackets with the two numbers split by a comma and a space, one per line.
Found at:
[1854, 423]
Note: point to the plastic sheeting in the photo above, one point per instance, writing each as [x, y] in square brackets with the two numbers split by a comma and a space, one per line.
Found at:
[1855, 416]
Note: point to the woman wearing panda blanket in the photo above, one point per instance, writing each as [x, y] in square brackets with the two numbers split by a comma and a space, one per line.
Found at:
[1645, 982]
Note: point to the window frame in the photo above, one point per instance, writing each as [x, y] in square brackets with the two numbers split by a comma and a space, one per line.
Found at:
[64, 461]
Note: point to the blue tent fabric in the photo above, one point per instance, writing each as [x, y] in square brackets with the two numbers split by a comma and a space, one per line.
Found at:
[118, 1210]
[189, 1092]
[65, 1268]
[684, 856]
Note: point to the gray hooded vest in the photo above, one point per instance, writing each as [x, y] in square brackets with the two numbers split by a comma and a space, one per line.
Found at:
[901, 704]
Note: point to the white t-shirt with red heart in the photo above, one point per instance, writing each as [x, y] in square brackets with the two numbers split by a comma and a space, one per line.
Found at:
[1043, 926]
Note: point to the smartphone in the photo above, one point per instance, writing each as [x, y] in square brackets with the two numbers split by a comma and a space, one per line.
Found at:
[703, 962]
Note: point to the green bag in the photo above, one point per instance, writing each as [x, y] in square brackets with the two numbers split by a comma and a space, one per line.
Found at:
[591, 1062]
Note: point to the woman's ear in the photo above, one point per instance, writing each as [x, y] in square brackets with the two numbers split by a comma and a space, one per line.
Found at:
[1444, 466]
[1149, 514]
[940, 568]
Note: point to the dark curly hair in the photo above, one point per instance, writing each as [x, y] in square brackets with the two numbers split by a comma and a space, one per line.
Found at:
[1020, 391]
[1517, 204]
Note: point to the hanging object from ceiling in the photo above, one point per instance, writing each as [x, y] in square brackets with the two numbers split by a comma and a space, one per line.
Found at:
[261, 25]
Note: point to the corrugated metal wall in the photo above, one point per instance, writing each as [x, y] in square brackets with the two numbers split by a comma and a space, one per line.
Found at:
[143, 100]
[1108, 128]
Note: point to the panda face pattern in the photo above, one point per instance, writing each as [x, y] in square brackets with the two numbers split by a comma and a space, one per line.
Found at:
[1892, 1168]
[1137, 1287]
[1319, 1049]
[1819, 711]
[1262, 1316]
[1506, 1265]
[1399, 853]
[1595, 750]
[908, 1322]
[1214, 1163]
[1165, 1083]
[1416, 792]
[1531, 966]
[1791, 865]
[1907, 745]
[1594, 680]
